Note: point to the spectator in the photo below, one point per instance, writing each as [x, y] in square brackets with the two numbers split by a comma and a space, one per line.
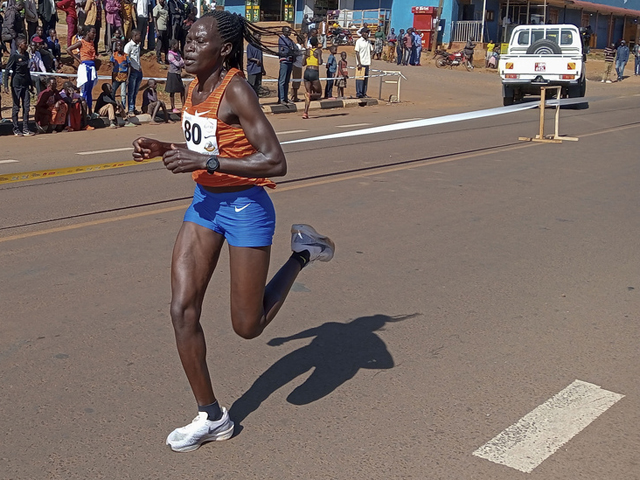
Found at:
[255, 68]
[31, 17]
[38, 33]
[161, 17]
[87, 69]
[151, 104]
[400, 47]
[313, 32]
[489, 55]
[362, 28]
[296, 70]
[304, 28]
[132, 50]
[176, 13]
[417, 48]
[323, 32]
[36, 65]
[363, 51]
[47, 14]
[408, 45]
[186, 26]
[98, 24]
[106, 106]
[468, 50]
[76, 108]
[90, 14]
[112, 17]
[151, 32]
[53, 44]
[120, 72]
[343, 74]
[143, 18]
[286, 54]
[622, 57]
[13, 25]
[636, 54]
[126, 14]
[49, 61]
[69, 8]
[51, 109]
[378, 43]
[392, 41]
[174, 77]
[17, 69]
[332, 67]
[609, 57]
[81, 12]
[312, 75]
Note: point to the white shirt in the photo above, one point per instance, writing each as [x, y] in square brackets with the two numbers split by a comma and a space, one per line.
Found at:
[142, 8]
[132, 49]
[364, 48]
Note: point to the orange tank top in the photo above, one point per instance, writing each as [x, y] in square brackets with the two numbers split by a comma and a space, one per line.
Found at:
[87, 51]
[207, 134]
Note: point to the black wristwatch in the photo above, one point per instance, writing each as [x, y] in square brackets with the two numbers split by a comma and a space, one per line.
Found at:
[212, 164]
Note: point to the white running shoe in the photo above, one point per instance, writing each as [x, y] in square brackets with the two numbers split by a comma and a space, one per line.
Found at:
[304, 237]
[201, 430]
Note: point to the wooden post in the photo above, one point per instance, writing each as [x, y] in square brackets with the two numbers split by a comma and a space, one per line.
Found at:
[543, 96]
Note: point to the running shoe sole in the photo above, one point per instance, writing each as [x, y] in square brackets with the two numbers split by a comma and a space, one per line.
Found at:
[321, 239]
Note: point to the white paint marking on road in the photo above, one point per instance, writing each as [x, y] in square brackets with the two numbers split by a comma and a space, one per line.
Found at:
[537, 435]
[10, 160]
[97, 152]
[408, 119]
[353, 125]
[291, 131]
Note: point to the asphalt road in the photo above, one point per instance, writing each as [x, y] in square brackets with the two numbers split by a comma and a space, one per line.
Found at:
[476, 276]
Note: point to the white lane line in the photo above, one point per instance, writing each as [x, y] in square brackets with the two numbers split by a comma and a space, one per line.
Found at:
[291, 131]
[9, 161]
[536, 436]
[96, 152]
[353, 125]
[408, 119]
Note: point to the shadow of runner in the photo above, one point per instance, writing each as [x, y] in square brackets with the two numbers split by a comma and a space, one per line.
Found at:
[336, 354]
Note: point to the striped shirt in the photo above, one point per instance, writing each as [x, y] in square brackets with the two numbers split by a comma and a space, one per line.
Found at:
[206, 133]
[609, 54]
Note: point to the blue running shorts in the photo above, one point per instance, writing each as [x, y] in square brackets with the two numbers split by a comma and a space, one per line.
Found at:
[245, 219]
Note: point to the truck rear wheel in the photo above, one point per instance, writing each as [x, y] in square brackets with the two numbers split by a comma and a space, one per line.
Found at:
[508, 96]
[506, 101]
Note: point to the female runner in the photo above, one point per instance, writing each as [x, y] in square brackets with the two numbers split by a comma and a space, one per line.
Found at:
[230, 150]
[312, 83]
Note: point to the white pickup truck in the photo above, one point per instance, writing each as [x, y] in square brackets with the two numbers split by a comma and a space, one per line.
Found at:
[543, 55]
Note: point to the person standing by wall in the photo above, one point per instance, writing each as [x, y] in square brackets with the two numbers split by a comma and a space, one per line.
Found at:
[87, 76]
[296, 70]
[332, 67]
[400, 47]
[363, 49]
[636, 54]
[13, 25]
[31, 17]
[174, 77]
[407, 47]
[113, 20]
[142, 19]
[47, 14]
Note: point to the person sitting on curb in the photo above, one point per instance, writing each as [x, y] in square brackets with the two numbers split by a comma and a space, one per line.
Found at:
[51, 109]
[106, 105]
[151, 104]
[77, 109]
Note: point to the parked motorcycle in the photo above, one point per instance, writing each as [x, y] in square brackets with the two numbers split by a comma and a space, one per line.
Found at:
[340, 37]
[451, 59]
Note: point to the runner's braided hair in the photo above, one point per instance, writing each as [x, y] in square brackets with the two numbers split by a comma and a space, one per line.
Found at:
[235, 29]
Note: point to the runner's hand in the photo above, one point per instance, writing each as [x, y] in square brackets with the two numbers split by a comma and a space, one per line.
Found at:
[180, 159]
[145, 148]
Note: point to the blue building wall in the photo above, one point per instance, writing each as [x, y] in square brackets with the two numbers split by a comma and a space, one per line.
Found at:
[402, 18]
[235, 6]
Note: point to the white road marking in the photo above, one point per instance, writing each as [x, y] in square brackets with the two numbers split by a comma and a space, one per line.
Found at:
[96, 152]
[536, 436]
[408, 119]
[9, 161]
[291, 131]
[353, 125]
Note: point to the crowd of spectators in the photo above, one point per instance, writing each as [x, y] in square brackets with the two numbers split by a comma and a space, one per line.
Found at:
[29, 38]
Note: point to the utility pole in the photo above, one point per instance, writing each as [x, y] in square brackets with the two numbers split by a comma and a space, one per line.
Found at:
[434, 34]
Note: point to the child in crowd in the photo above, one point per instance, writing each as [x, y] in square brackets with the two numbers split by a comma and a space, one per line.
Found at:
[39, 33]
[332, 67]
[151, 104]
[342, 74]
[77, 108]
[120, 73]
[174, 77]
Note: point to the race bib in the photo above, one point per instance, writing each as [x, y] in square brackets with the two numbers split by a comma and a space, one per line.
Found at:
[200, 133]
